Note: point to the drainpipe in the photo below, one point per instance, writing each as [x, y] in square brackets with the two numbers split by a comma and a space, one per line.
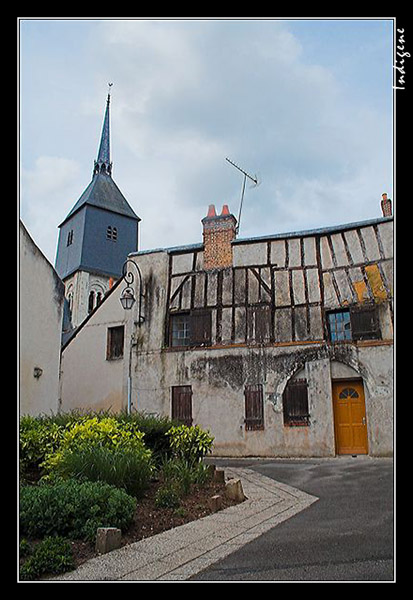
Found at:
[132, 344]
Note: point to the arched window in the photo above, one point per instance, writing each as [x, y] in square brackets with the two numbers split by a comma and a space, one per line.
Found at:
[91, 305]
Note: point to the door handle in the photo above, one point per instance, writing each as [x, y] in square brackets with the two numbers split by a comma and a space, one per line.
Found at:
[363, 421]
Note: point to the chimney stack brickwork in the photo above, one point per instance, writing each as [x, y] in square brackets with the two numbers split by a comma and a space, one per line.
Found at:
[219, 231]
[386, 206]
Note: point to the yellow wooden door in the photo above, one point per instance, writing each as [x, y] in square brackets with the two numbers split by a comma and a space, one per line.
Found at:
[350, 417]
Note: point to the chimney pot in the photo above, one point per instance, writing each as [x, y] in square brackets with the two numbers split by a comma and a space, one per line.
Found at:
[211, 211]
[225, 210]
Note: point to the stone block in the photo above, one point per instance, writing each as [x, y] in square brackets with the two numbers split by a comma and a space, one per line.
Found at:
[215, 503]
[219, 476]
[107, 539]
[234, 491]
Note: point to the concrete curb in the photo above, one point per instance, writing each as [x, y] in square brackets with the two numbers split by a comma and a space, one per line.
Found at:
[180, 553]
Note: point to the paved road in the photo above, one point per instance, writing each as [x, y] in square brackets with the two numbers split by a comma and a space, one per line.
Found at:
[347, 535]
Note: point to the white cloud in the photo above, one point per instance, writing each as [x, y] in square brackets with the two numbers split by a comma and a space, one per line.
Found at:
[188, 94]
[48, 192]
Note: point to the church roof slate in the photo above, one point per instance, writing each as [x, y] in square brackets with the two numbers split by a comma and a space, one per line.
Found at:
[102, 192]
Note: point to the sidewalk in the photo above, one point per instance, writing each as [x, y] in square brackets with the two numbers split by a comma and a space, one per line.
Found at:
[177, 554]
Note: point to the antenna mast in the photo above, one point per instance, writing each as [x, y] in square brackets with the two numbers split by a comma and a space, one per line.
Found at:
[253, 179]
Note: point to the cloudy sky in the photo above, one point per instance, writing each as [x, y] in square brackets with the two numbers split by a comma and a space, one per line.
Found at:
[307, 105]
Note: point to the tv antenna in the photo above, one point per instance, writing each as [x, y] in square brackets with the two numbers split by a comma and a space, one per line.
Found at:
[253, 179]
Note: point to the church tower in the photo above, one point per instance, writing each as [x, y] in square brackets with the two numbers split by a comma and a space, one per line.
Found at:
[96, 236]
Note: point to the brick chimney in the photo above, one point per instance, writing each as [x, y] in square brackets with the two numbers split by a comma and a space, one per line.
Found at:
[219, 231]
[386, 205]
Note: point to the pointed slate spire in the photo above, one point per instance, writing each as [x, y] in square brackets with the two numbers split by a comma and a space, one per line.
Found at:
[103, 164]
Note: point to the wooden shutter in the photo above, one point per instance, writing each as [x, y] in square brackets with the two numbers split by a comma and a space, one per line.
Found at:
[254, 407]
[364, 324]
[200, 328]
[182, 404]
[295, 403]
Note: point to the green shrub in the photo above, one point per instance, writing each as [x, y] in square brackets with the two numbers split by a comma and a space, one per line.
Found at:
[178, 472]
[73, 509]
[168, 496]
[38, 438]
[201, 473]
[53, 555]
[155, 428]
[95, 432]
[183, 474]
[190, 443]
[125, 468]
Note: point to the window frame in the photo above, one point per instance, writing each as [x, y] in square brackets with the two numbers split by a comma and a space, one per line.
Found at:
[198, 328]
[254, 407]
[355, 321]
[113, 350]
[173, 319]
[295, 415]
[181, 404]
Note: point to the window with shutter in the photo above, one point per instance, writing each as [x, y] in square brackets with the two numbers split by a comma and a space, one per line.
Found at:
[295, 403]
[182, 404]
[354, 323]
[200, 328]
[254, 407]
[364, 323]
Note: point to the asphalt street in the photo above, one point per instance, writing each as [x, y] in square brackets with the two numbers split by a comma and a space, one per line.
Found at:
[347, 535]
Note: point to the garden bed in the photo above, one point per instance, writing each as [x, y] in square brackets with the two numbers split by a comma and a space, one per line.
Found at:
[150, 520]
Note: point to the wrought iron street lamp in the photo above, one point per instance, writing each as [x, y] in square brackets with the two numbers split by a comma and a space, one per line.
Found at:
[127, 298]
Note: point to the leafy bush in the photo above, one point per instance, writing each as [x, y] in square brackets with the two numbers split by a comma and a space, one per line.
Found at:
[182, 474]
[53, 555]
[168, 496]
[190, 443]
[178, 472]
[73, 509]
[95, 432]
[125, 468]
[155, 428]
[38, 439]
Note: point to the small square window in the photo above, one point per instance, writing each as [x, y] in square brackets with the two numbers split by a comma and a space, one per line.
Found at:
[180, 330]
[339, 325]
[115, 343]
